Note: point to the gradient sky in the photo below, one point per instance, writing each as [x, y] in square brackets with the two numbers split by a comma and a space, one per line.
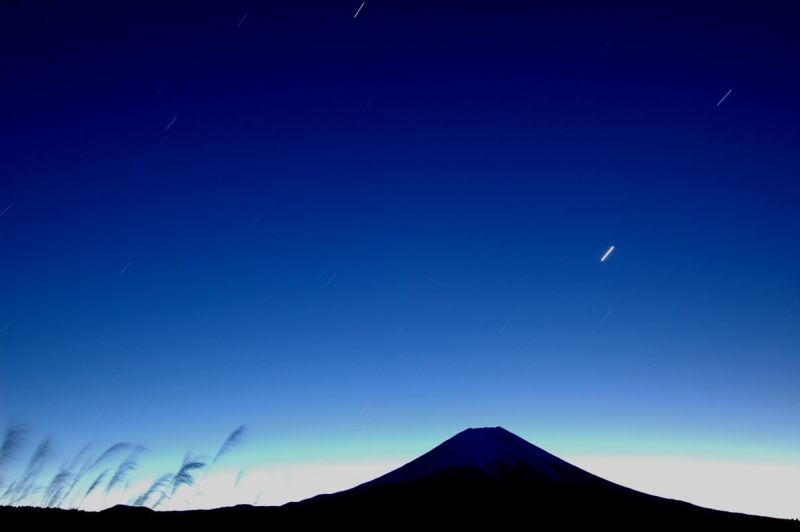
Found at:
[361, 236]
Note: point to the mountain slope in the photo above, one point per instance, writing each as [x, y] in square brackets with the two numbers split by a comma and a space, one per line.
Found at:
[491, 477]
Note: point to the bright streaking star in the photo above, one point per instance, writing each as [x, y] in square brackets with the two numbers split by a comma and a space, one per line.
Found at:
[606, 254]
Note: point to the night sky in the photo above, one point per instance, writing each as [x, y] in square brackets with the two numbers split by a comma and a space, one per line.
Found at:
[359, 236]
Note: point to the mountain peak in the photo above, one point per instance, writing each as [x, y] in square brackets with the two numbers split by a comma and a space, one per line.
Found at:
[475, 430]
[491, 443]
[484, 432]
[494, 451]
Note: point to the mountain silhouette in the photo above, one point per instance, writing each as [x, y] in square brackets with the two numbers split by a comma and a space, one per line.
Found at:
[492, 477]
[486, 477]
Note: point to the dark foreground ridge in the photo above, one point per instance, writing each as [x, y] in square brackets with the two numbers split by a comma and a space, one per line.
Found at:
[480, 477]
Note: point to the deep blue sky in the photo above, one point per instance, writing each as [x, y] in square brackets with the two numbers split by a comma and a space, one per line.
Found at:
[360, 233]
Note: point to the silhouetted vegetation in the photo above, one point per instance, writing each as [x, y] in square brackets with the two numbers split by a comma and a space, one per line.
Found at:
[76, 480]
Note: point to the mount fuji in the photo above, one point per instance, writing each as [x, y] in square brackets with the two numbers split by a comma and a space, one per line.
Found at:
[492, 477]
[479, 478]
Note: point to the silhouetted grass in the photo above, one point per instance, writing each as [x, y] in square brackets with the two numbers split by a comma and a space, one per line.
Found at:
[233, 438]
[56, 488]
[184, 477]
[13, 439]
[99, 480]
[82, 472]
[117, 447]
[126, 466]
[229, 442]
[25, 486]
[158, 487]
[70, 485]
